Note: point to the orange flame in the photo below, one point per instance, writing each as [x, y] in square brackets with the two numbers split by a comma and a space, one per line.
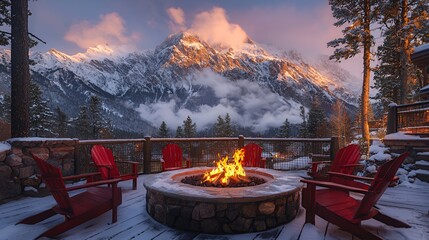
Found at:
[226, 170]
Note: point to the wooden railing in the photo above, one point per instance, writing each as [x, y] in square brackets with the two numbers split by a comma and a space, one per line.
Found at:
[409, 118]
[281, 153]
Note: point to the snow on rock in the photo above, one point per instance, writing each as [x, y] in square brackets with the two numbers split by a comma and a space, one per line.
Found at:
[378, 148]
[380, 156]
[4, 147]
[371, 169]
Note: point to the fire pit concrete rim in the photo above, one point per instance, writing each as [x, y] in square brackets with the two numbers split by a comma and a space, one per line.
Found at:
[278, 183]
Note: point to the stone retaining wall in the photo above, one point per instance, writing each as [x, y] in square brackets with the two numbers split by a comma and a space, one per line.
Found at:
[18, 169]
[222, 218]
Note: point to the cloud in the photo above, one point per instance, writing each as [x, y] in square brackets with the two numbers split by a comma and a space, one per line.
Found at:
[110, 30]
[214, 27]
[247, 103]
[177, 19]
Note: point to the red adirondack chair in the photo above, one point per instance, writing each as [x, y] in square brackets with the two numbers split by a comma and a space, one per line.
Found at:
[345, 162]
[172, 158]
[78, 208]
[104, 160]
[253, 156]
[336, 206]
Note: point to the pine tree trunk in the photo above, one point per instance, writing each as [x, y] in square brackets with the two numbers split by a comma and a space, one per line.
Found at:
[366, 76]
[404, 53]
[20, 69]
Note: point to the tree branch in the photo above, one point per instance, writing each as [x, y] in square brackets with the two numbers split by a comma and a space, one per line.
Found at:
[34, 36]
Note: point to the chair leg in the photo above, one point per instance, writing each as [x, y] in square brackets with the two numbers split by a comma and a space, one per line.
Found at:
[38, 217]
[308, 200]
[390, 221]
[353, 228]
[62, 227]
[134, 183]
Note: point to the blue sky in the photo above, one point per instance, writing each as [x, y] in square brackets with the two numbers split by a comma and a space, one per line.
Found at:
[73, 26]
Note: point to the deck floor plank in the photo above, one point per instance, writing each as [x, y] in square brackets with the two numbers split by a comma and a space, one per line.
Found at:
[403, 202]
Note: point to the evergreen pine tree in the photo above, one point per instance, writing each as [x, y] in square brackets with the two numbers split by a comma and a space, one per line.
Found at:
[404, 24]
[303, 128]
[5, 108]
[284, 131]
[96, 121]
[61, 123]
[228, 129]
[106, 130]
[317, 122]
[189, 128]
[218, 127]
[179, 132]
[163, 130]
[41, 117]
[82, 123]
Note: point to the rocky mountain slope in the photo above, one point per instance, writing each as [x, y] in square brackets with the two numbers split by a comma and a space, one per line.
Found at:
[186, 76]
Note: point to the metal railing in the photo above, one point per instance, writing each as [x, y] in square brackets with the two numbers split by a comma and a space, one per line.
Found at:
[409, 118]
[281, 153]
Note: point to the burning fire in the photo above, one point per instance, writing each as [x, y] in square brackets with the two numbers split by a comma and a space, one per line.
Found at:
[228, 171]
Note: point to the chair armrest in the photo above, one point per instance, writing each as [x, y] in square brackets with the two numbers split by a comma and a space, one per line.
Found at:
[93, 184]
[334, 186]
[348, 176]
[129, 162]
[105, 166]
[320, 162]
[84, 175]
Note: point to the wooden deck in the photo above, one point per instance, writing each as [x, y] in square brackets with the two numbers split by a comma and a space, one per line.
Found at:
[409, 203]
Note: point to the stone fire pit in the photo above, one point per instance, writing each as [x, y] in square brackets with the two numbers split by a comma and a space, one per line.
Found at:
[223, 210]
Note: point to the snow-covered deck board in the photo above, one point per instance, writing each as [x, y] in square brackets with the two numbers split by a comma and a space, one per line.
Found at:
[407, 202]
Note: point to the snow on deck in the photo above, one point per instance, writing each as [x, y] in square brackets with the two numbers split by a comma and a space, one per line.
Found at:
[407, 202]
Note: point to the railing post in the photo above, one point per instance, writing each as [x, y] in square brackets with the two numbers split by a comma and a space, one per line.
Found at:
[240, 141]
[147, 155]
[335, 146]
[77, 157]
[392, 119]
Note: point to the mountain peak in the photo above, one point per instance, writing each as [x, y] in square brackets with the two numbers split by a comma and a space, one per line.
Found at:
[182, 39]
[100, 51]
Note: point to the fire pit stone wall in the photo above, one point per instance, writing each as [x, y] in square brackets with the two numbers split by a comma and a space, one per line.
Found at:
[223, 210]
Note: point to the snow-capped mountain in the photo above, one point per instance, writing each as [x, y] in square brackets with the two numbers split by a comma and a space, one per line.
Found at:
[186, 76]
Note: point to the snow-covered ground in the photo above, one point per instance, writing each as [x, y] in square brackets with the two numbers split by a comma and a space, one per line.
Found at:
[407, 202]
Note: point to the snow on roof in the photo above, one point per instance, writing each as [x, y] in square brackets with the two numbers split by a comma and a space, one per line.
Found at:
[421, 48]
[401, 136]
[425, 88]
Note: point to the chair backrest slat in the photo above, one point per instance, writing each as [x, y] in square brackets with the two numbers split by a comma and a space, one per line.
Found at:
[382, 179]
[103, 156]
[53, 179]
[172, 155]
[252, 155]
[346, 155]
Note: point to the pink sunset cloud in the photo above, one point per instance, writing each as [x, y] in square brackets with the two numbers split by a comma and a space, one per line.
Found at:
[110, 30]
[176, 15]
[214, 27]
